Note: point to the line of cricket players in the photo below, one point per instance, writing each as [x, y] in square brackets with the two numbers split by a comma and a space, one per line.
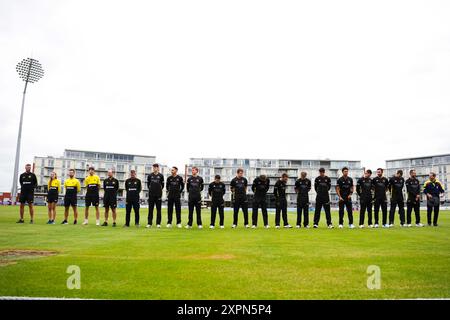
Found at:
[372, 194]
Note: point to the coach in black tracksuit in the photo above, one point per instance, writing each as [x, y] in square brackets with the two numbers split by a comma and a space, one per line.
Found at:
[155, 185]
[322, 185]
[302, 187]
[413, 201]
[260, 186]
[364, 189]
[174, 187]
[238, 186]
[396, 184]
[344, 190]
[279, 191]
[133, 187]
[194, 186]
[380, 186]
[216, 191]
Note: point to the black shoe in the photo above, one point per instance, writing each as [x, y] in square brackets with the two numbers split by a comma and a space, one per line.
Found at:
[114, 224]
[49, 222]
[105, 224]
[64, 222]
[435, 224]
[74, 221]
[126, 225]
[20, 221]
[31, 222]
[429, 224]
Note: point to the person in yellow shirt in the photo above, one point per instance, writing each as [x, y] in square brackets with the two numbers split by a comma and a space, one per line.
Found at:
[53, 187]
[92, 184]
[72, 187]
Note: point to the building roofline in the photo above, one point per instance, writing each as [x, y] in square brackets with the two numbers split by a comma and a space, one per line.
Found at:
[118, 153]
[421, 157]
[215, 158]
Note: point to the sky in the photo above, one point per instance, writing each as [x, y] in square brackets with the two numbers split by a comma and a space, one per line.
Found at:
[357, 80]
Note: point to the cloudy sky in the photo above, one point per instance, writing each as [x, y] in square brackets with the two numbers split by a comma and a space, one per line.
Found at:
[366, 80]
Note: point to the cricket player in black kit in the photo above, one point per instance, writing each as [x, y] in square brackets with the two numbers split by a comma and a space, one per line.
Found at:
[174, 187]
[279, 191]
[260, 186]
[155, 184]
[322, 185]
[302, 188]
[216, 191]
[344, 190]
[380, 186]
[194, 186]
[396, 184]
[364, 189]
[110, 188]
[133, 186]
[238, 186]
[28, 182]
[413, 200]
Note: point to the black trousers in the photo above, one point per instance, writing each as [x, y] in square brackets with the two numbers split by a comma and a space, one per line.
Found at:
[259, 203]
[433, 204]
[152, 202]
[348, 205]
[302, 207]
[170, 203]
[240, 203]
[281, 208]
[326, 207]
[214, 208]
[135, 206]
[197, 204]
[410, 206]
[380, 203]
[401, 210]
[366, 205]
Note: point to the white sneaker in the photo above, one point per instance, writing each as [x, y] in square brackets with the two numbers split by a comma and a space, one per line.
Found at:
[267, 227]
[169, 225]
[247, 226]
[211, 227]
[307, 227]
[315, 226]
[97, 222]
[340, 226]
[179, 226]
[419, 225]
[85, 222]
[297, 226]
[277, 227]
[371, 226]
[200, 227]
[385, 226]
[391, 225]
[361, 226]
[288, 226]
[376, 225]
[158, 226]
[234, 226]
[222, 227]
[253, 227]
[187, 226]
[351, 226]
[409, 225]
[330, 226]
[149, 226]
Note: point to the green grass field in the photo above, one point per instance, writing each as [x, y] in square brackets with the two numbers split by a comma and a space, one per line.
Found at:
[119, 263]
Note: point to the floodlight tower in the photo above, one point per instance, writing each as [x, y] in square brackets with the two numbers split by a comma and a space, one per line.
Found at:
[29, 70]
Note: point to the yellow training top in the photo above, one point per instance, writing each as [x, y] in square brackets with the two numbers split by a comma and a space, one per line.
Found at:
[72, 183]
[54, 184]
[92, 181]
